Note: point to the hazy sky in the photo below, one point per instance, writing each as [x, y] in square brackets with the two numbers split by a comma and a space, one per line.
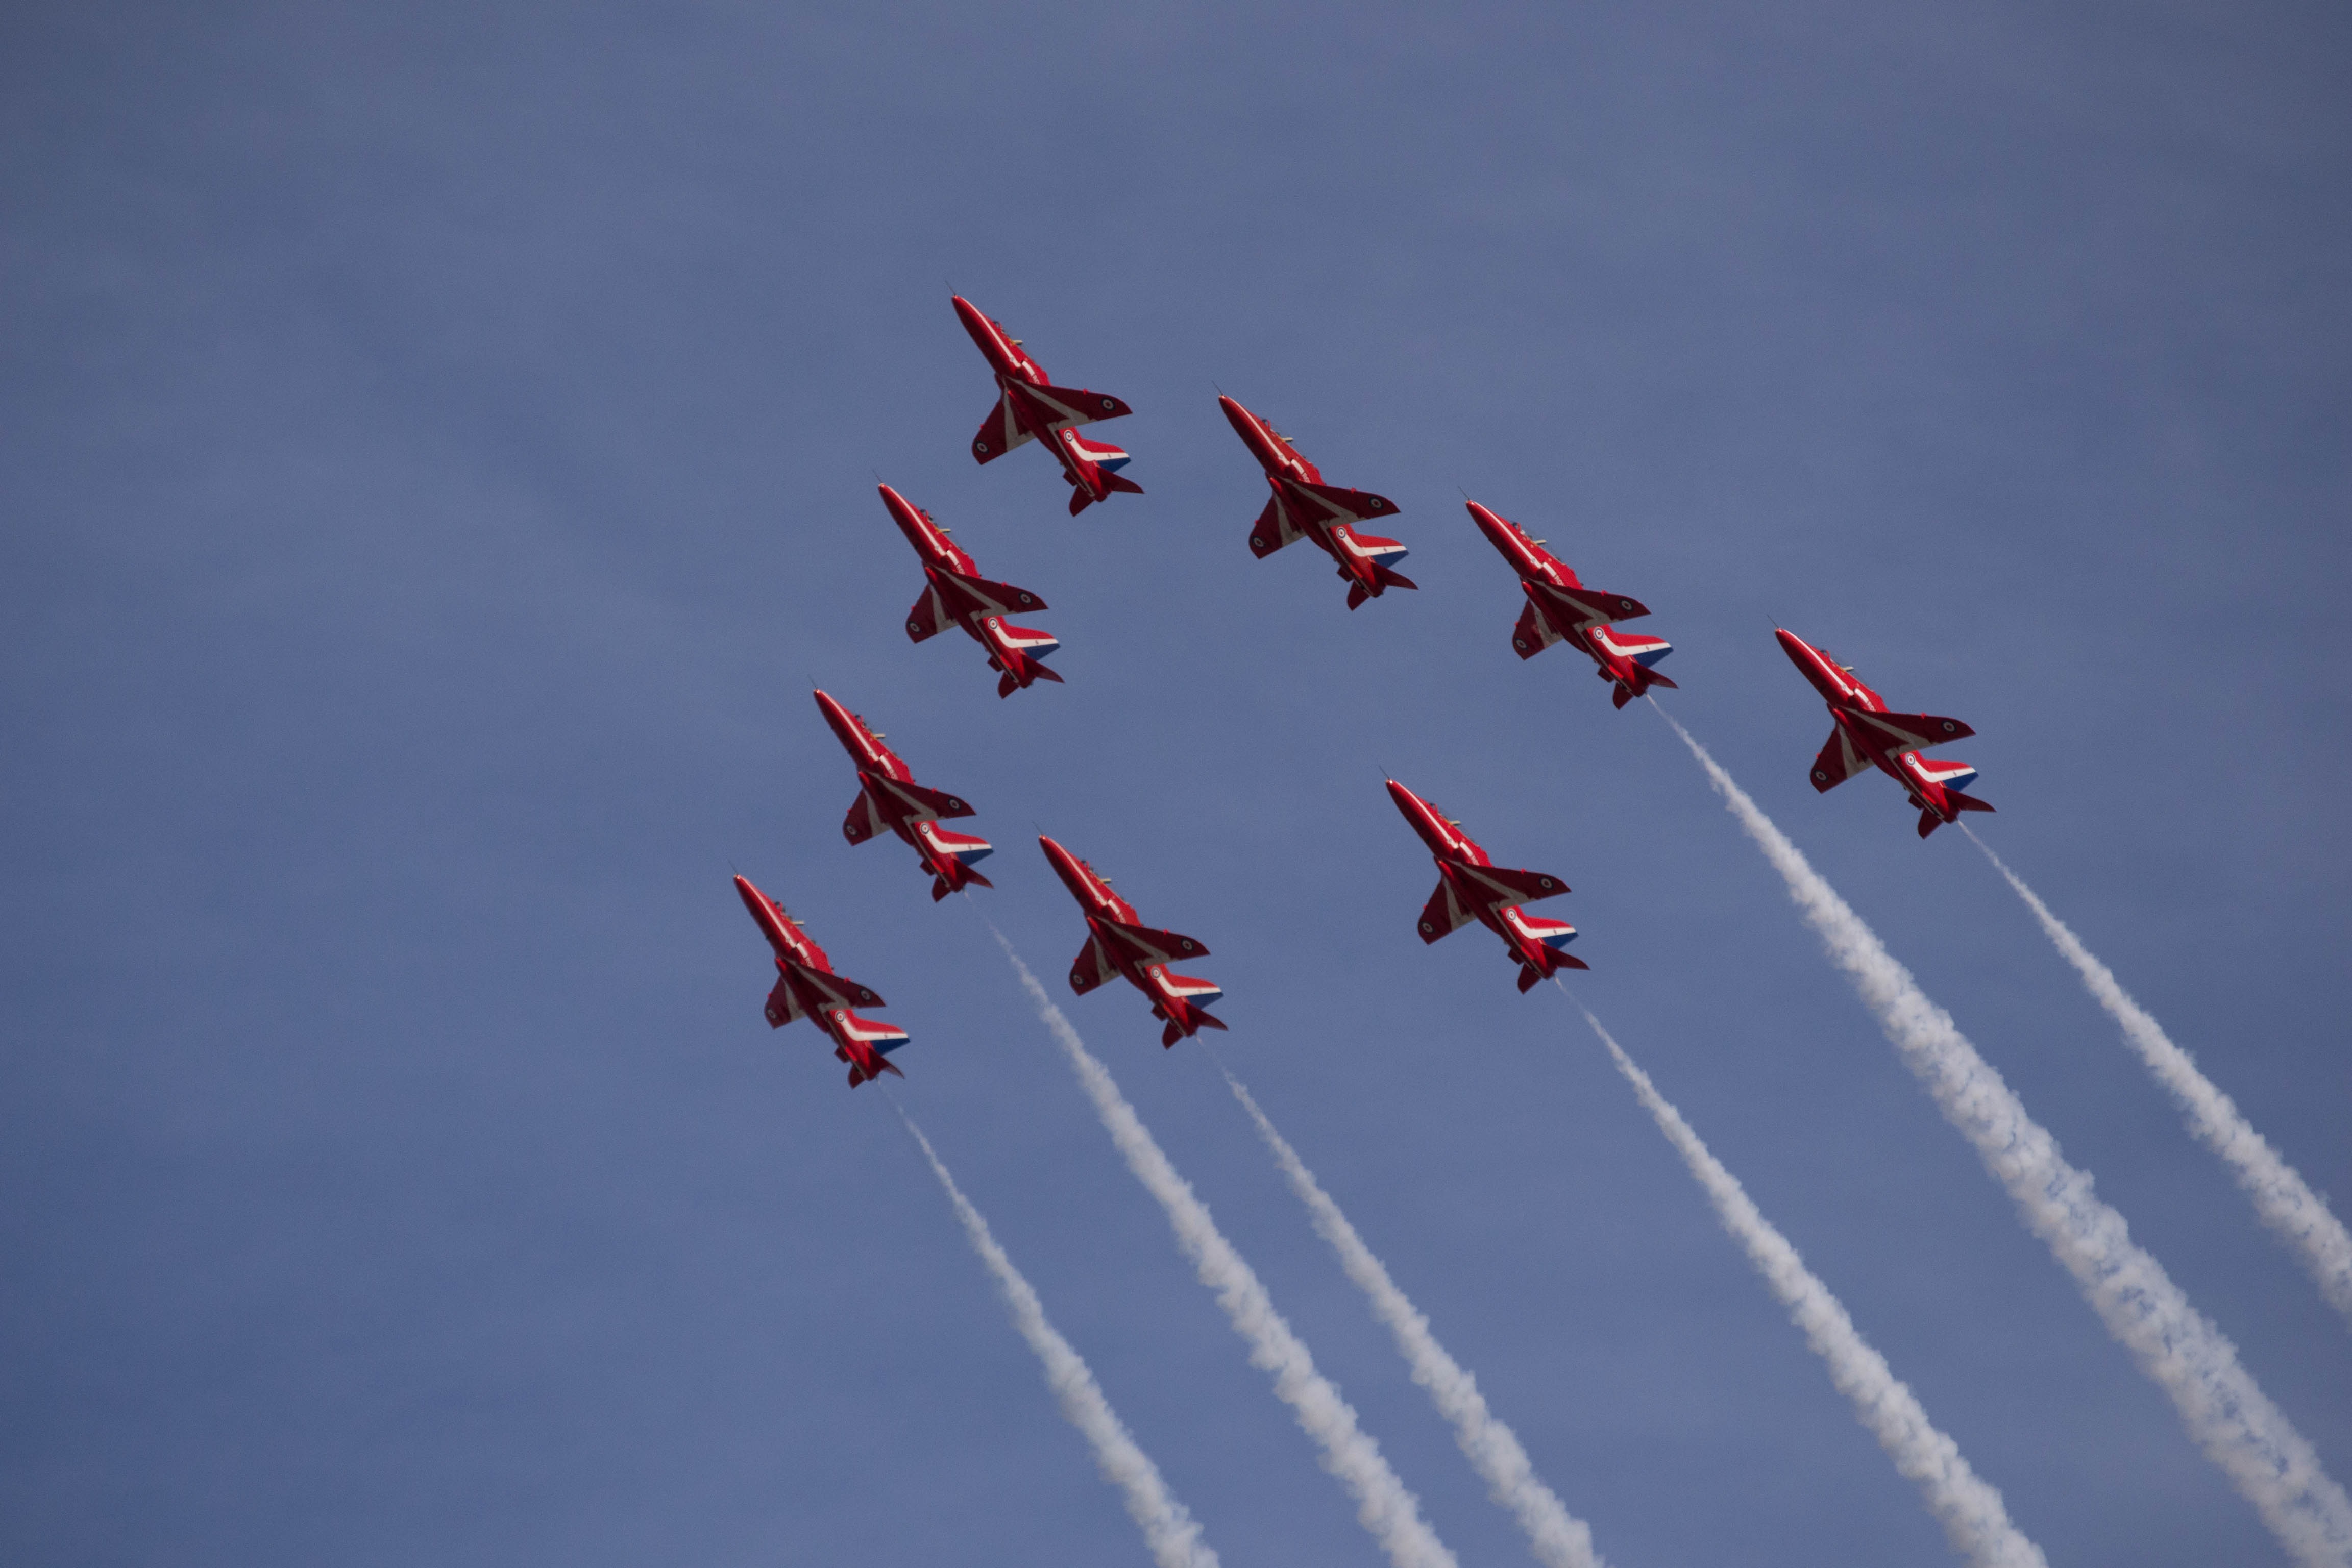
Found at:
[437, 450]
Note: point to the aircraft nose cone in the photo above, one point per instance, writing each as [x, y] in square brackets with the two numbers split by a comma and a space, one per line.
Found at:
[1795, 647]
[1406, 801]
[1235, 414]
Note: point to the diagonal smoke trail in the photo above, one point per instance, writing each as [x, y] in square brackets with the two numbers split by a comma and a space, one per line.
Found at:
[1169, 1528]
[1384, 1507]
[2287, 1204]
[1560, 1539]
[1971, 1509]
[2271, 1463]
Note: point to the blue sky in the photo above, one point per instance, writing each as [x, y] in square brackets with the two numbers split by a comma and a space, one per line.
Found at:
[441, 456]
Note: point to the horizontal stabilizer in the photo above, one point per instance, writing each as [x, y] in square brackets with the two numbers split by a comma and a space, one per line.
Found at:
[883, 1037]
[1191, 986]
[959, 847]
[1101, 453]
[1642, 651]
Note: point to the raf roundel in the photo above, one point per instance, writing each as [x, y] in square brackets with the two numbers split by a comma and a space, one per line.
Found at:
[1950, 727]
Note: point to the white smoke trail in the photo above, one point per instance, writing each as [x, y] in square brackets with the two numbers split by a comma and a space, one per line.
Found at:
[2271, 1464]
[2280, 1195]
[1383, 1506]
[1974, 1519]
[1560, 1540]
[1169, 1529]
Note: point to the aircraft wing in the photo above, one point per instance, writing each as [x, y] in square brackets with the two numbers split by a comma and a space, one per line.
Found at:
[1092, 968]
[1497, 887]
[999, 433]
[928, 615]
[863, 821]
[1910, 730]
[840, 991]
[1443, 914]
[1840, 761]
[1533, 633]
[966, 596]
[939, 803]
[1590, 608]
[1145, 945]
[782, 1006]
[1060, 408]
[1271, 530]
[1344, 505]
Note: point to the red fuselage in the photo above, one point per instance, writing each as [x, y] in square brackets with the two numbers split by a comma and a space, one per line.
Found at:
[958, 592]
[1323, 513]
[1117, 934]
[1578, 615]
[1887, 740]
[1023, 383]
[1459, 860]
[890, 794]
[814, 990]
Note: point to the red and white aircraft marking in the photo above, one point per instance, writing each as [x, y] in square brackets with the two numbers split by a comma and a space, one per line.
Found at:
[1118, 943]
[1303, 506]
[956, 594]
[810, 989]
[1472, 887]
[1561, 609]
[1867, 736]
[1029, 408]
[889, 799]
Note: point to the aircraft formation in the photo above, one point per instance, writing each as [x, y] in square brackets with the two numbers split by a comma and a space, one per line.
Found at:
[1559, 608]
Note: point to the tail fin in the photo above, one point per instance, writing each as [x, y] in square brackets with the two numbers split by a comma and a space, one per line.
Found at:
[1553, 962]
[1020, 668]
[1928, 821]
[965, 876]
[1186, 1019]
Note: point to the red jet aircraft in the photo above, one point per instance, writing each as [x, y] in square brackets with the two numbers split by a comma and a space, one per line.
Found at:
[1561, 609]
[1029, 408]
[1303, 506]
[889, 798]
[1867, 735]
[1117, 945]
[955, 594]
[1472, 887]
[811, 989]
